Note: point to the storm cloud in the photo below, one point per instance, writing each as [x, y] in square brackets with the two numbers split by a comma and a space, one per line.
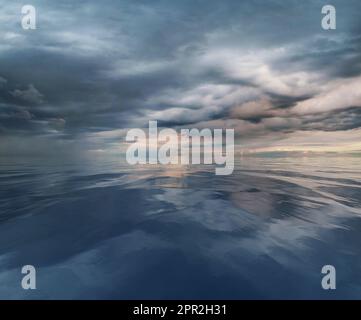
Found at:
[93, 69]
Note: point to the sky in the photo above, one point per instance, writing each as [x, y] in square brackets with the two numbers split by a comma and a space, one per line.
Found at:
[94, 69]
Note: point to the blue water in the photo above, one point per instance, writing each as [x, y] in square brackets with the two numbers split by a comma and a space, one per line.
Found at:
[101, 229]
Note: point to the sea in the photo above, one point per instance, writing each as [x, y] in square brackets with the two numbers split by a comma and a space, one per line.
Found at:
[99, 228]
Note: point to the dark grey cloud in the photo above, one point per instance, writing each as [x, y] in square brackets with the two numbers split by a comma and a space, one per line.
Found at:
[30, 95]
[95, 66]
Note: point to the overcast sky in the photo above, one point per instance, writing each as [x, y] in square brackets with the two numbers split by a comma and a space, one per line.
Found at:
[92, 69]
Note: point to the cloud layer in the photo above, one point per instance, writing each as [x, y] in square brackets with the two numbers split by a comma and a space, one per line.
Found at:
[266, 68]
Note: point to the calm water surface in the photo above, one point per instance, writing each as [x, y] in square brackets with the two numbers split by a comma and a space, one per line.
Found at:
[101, 229]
